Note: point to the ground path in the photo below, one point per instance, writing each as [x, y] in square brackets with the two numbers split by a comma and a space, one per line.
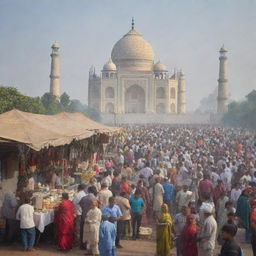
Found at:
[131, 248]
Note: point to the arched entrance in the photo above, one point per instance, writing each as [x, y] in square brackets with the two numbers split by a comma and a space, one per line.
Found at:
[135, 100]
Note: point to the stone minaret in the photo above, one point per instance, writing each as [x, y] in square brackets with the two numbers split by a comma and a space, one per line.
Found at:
[181, 108]
[55, 74]
[222, 83]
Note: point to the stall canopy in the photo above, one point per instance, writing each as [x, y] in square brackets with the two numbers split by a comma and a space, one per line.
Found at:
[41, 131]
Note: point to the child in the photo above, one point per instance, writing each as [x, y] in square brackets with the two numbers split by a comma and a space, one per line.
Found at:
[230, 247]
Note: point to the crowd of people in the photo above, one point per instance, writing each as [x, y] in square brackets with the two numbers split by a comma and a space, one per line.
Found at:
[194, 185]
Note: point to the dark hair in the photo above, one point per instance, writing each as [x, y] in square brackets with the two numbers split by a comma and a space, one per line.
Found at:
[92, 189]
[26, 200]
[65, 196]
[228, 203]
[230, 229]
[122, 194]
[81, 187]
[231, 214]
[137, 192]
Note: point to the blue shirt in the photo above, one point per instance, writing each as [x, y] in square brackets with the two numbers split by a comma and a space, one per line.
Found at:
[112, 212]
[136, 204]
[168, 191]
[107, 237]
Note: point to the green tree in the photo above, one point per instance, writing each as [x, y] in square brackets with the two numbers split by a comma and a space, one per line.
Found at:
[11, 98]
[65, 100]
[51, 104]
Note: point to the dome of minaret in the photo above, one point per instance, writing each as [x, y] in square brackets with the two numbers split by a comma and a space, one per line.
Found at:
[160, 67]
[109, 66]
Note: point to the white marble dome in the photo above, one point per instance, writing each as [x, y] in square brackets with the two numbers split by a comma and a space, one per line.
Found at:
[133, 52]
[109, 66]
[160, 67]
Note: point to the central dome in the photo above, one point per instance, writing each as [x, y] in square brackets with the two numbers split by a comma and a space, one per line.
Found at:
[133, 52]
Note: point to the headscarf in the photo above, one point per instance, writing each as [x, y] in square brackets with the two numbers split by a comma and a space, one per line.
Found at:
[190, 227]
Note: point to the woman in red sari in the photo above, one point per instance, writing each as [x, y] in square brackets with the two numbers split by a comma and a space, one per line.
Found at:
[64, 224]
[188, 237]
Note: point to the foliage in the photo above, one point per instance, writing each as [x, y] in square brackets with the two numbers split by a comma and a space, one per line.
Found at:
[11, 98]
[242, 114]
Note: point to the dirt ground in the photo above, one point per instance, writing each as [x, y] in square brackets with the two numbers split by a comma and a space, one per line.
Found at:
[131, 248]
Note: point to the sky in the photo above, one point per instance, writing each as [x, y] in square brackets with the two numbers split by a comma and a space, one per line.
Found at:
[184, 34]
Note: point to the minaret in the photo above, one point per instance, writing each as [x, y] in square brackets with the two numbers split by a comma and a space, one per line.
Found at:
[222, 82]
[55, 74]
[181, 108]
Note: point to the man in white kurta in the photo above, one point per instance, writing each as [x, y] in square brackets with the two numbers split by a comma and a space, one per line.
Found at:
[91, 229]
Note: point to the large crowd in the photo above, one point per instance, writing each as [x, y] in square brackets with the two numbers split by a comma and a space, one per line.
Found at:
[195, 186]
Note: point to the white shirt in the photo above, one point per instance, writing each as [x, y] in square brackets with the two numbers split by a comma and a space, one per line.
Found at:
[235, 193]
[77, 200]
[25, 214]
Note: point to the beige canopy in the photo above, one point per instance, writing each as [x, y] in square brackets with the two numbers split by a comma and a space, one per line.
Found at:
[40, 131]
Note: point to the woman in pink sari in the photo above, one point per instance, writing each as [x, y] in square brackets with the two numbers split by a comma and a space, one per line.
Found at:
[64, 224]
[188, 238]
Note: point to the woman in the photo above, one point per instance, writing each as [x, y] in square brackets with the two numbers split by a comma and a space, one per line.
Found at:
[164, 236]
[64, 224]
[188, 237]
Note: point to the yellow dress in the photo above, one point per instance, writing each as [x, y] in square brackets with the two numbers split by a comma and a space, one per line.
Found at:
[164, 235]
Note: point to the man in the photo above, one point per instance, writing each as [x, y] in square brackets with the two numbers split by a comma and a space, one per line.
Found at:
[107, 237]
[158, 193]
[91, 229]
[208, 232]
[113, 211]
[107, 178]
[137, 203]
[235, 193]
[183, 197]
[147, 172]
[205, 186]
[168, 194]
[253, 221]
[125, 221]
[104, 195]
[25, 214]
[8, 209]
[230, 246]
[179, 223]
[86, 204]
[79, 195]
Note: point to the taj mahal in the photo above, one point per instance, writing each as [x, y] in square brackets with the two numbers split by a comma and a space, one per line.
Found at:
[133, 88]
[131, 81]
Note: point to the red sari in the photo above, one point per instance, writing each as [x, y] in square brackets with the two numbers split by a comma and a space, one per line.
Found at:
[64, 225]
[188, 238]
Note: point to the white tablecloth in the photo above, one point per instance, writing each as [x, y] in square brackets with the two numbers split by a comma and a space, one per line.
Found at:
[42, 219]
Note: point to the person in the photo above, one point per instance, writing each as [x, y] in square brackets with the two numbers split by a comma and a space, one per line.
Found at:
[158, 192]
[243, 212]
[221, 213]
[235, 193]
[205, 186]
[183, 197]
[25, 214]
[91, 229]
[218, 191]
[230, 246]
[163, 232]
[189, 237]
[168, 194]
[107, 237]
[124, 186]
[146, 172]
[179, 223]
[64, 224]
[253, 222]
[104, 195]
[8, 209]
[208, 232]
[125, 222]
[86, 204]
[137, 204]
[113, 211]
[79, 195]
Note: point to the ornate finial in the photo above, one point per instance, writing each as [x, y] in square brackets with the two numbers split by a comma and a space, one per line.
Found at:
[132, 23]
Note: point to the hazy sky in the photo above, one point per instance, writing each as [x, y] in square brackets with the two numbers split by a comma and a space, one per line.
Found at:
[184, 34]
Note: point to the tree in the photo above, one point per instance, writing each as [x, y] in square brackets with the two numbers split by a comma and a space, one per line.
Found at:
[11, 98]
[51, 104]
[64, 100]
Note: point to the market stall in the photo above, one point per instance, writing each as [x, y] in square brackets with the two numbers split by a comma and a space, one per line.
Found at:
[50, 154]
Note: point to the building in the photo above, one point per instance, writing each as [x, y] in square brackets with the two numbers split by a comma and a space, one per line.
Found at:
[222, 99]
[55, 74]
[131, 81]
